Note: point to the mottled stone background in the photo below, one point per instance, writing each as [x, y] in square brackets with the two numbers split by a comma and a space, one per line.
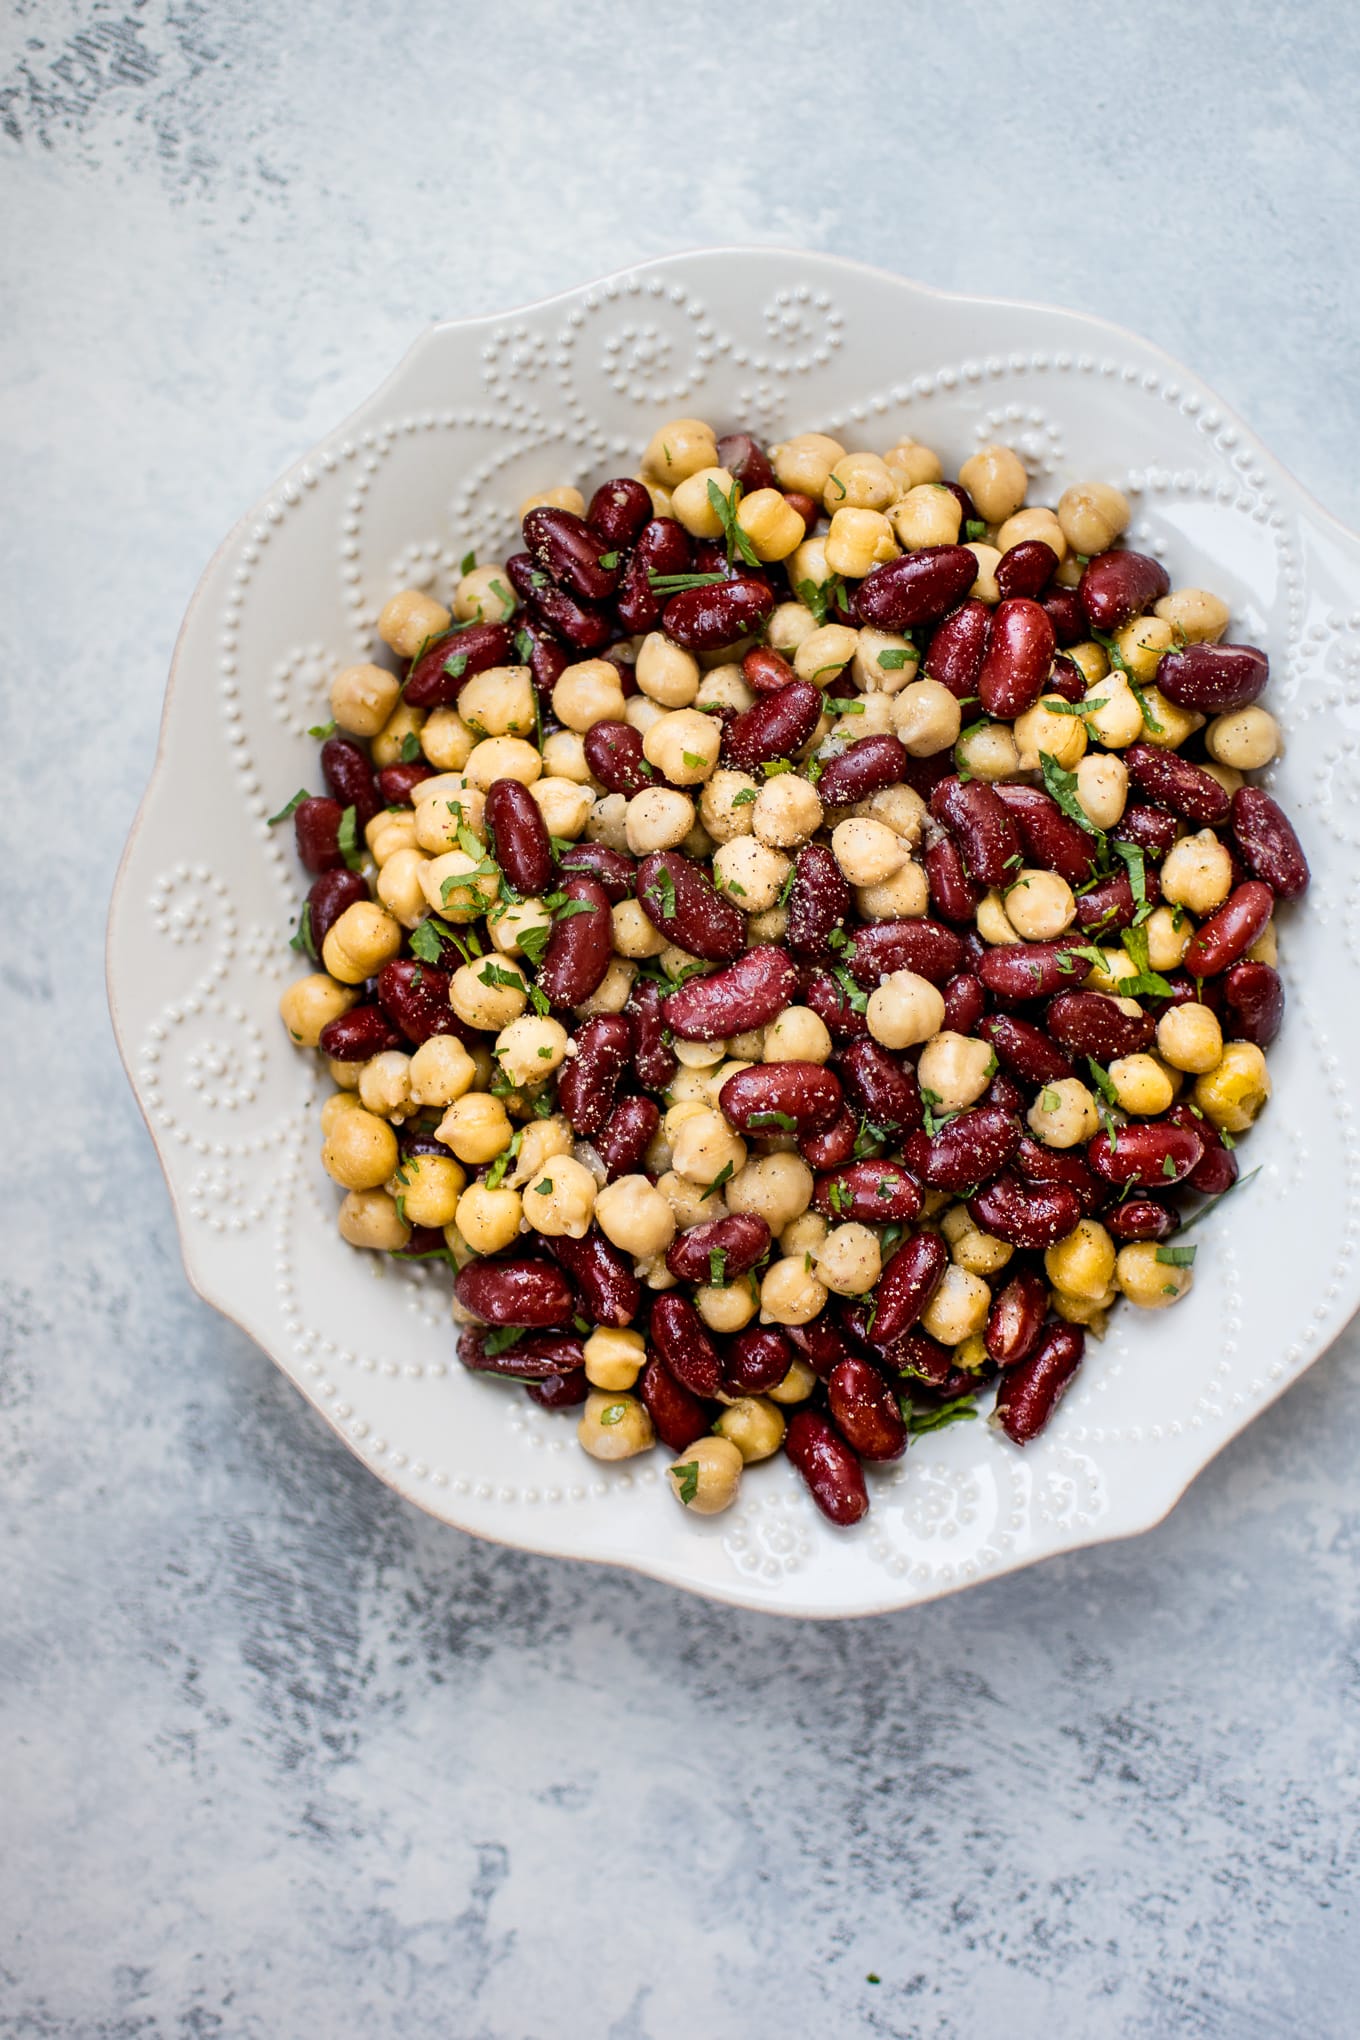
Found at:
[279, 1755]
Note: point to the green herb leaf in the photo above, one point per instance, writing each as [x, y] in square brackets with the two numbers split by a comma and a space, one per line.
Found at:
[783, 1120]
[676, 584]
[302, 941]
[1102, 1081]
[839, 1197]
[661, 892]
[840, 704]
[326, 729]
[609, 561]
[524, 645]
[468, 562]
[694, 761]
[1212, 1203]
[346, 839]
[496, 1174]
[744, 798]
[1169, 1169]
[456, 665]
[284, 812]
[1177, 1257]
[819, 596]
[856, 999]
[921, 1417]
[786, 889]
[1049, 1099]
[722, 1177]
[543, 1189]
[615, 1414]
[1062, 786]
[974, 530]
[725, 510]
[717, 1267]
[772, 767]
[410, 748]
[687, 1477]
[894, 659]
[1057, 706]
[495, 974]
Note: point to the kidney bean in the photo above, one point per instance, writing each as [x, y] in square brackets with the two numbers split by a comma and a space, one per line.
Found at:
[867, 765]
[682, 1340]
[1253, 1000]
[412, 1141]
[830, 1001]
[741, 1239]
[911, 1275]
[964, 1003]
[1229, 932]
[746, 461]
[612, 870]
[1065, 613]
[1117, 586]
[924, 946]
[831, 1145]
[1213, 678]
[316, 830]
[916, 588]
[1026, 569]
[1004, 1092]
[808, 508]
[1170, 781]
[523, 848]
[1025, 1049]
[415, 998]
[923, 775]
[766, 671]
[865, 1410]
[547, 659]
[1066, 680]
[1025, 1214]
[1030, 1393]
[1020, 648]
[920, 1359]
[769, 1095]
[609, 1290]
[819, 900]
[824, 1343]
[618, 510]
[1111, 904]
[397, 782]
[977, 817]
[652, 1056]
[584, 627]
[884, 1089]
[827, 1464]
[1268, 843]
[758, 1358]
[349, 775]
[1141, 1218]
[1030, 970]
[540, 1357]
[559, 1391]
[1154, 1154]
[679, 898]
[873, 1193]
[579, 948]
[1216, 1169]
[747, 994]
[437, 677]
[614, 754]
[1088, 1023]
[1050, 839]
[1040, 1164]
[974, 949]
[706, 619]
[678, 1416]
[970, 1148]
[564, 546]
[515, 1292]
[1015, 1321]
[952, 893]
[1152, 829]
[957, 648]
[624, 1139]
[587, 1080]
[328, 898]
[774, 727]
[362, 1032]
[662, 547]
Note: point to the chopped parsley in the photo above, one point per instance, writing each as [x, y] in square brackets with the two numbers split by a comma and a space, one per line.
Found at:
[303, 940]
[469, 561]
[895, 658]
[820, 596]
[495, 1175]
[974, 530]
[661, 892]
[687, 1473]
[716, 1185]
[284, 812]
[717, 1267]
[410, 748]
[326, 729]
[922, 1417]
[783, 1120]
[725, 510]
[1062, 787]
[615, 1414]
[502, 1337]
[1177, 1257]
[346, 839]
[744, 798]
[676, 584]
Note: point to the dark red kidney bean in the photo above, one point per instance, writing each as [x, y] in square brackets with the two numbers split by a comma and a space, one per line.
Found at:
[618, 510]
[1216, 1169]
[523, 847]
[397, 782]
[586, 628]
[884, 1089]
[316, 829]
[748, 993]
[680, 899]
[1269, 846]
[920, 1358]
[328, 898]
[952, 893]
[678, 1416]
[415, 998]
[559, 1391]
[1155, 1154]
[971, 1148]
[831, 1145]
[924, 946]
[1050, 839]
[830, 1001]
[438, 676]
[1020, 648]
[1015, 1321]
[758, 1358]
[516, 1292]
[362, 1032]
[766, 1097]
[623, 1141]
[766, 671]
[1215, 679]
[1025, 1049]
[706, 619]
[974, 949]
[923, 775]
[741, 1239]
[819, 900]
[1088, 1023]
[831, 1470]
[565, 547]
[580, 946]
[808, 508]
[964, 1003]
[1253, 1002]
[349, 775]
[1065, 613]
[861, 769]
[1003, 1091]
[977, 817]
[547, 659]
[967, 507]
[1141, 1218]
[1111, 904]
[747, 461]
[1066, 680]
[1172, 782]
[662, 547]
[1030, 970]
[916, 588]
[1025, 1214]
[612, 870]
[911, 1275]
[653, 1058]
[824, 1343]
[957, 647]
[1117, 586]
[614, 754]
[541, 1357]
[414, 1142]
[1030, 1393]
[873, 1193]
[587, 1080]
[774, 727]
[1026, 569]
[1151, 828]
[603, 1277]
[865, 1411]
[682, 1340]
[1230, 931]
[1040, 1164]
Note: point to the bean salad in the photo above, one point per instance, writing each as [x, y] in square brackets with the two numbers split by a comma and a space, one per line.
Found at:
[791, 938]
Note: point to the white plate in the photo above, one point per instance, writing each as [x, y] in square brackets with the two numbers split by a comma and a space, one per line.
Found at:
[479, 414]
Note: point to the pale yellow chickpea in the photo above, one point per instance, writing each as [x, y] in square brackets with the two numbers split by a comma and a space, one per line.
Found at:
[608, 821]
[564, 757]
[564, 805]
[789, 625]
[1102, 788]
[388, 833]
[440, 817]
[459, 886]
[614, 1426]
[884, 662]
[706, 1477]
[798, 1035]
[489, 1219]
[995, 478]
[858, 541]
[1199, 617]
[384, 1086]
[632, 933]
[1147, 1282]
[1245, 740]
[1027, 525]
[1169, 934]
[807, 563]
[803, 464]
[587, 693]
[981, 1253]
[636, 1216]
[612, 992]
[910, 464]
[990, 753]
[849, 1260]
[678, 449]
[394, 736]
[1064, 1114]
[866, 850]
[1090, 661]
[797, 1384]
[705, 1146]
[1165, 723]
[778, 1188]
[409, 620]
[903, 897]
[561, 497]
[484, 595]
[904, 1009]
[727, 804]
[512, 920]
[1105, 976]
[1082, 1264]
[825, 653]
[984, 588]
[561, 1201]
[785, 812]
[724, 687]
[1232, 1094]
[926, 515]
[505, 758]
[1142, 644]
[693, 506]
[364, 938]
[772, 525]
[499, 702]
[346, 1074]
[1085, 1310]
[531, 1048]
[750, 873]
[993, 922]
[1040, 905]
[542, 1140]
[311, 1003]
[688, 1203]
[684, 746]
[901, 808]
[858, 481]
[640, 712]
[344, 1101]
[476, 1127]
[956, 1069]
[753, 1424]
[362, 699]
[360, 1151]
[1190, 1038]
[429, 1187]
[1265, 949]
[926, 718]
[726, 1309]
[441, 1071]
[666, 673]
[399, 889]
[1110, 712]
[1093, 515]
[369, 1218]
[790, 1294]
[804, 1235]
[958, 1308]
[614, 1358]
[1141, 1085]
[658, 818]
[871, 715]
[1197, 873]
[1228, 777]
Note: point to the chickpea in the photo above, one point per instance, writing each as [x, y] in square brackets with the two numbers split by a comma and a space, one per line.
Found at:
[341, 1102]
[1093, 515]
[926, 718]
[1265, 949]
[858, 541]
[989, 753]
[901, 808]
[636, 1216]
[679, 449]
[1042, 728]
[1082, 1264]
[1142, 644]
[750, 873]
[858, 481]
[825, 653]
[803, 464]
[1169, 934]
[753, 1424]
[808, 563]
[392, 739]
[608, 820]
[1110, 712]
[728, 802]
[658, 818]
[1102, 788]
[1141, 1085]
[884, 662]
[956, 1069]
[489, 1219]
[563, 497]
[360, 1151]
[1027, 525]
[1245, 740]
[1197, 873]
[928, 514]
[706, 1145]
[684, 746]
[362, 699]
[1106, 976]
[797, 1384]
[310, 1004]
[346, 1074]
[440, 815]
[798, 1035]
[666, 673]
[541, 1141]
[804, 1235]
[1040, 905]
[1085, 1310]
[429, 1187]
[460, 887]
[995, 478]
[499, 702]
[869, 715]
[1064, 1114]
[1200, 618]
[399, 889]
[441, 1071]
[706, 1477]
[724, 687]
[849, 1260]
[1147, 1282]
[866, 850]
[505, 927]
[446, 740]
[1190, 1038]
[614, 1426]
[476, 1127]
[958, 1308]
[778, 1188]
[633, 933]
[357, 946]
[1232, 1094]
[564, 805]
[612, 992]
[564, 757]
[985, 588]
[384, 1086]
[726, 1308]
[1228, 777]
[409, 620]
[786, 812]
[1173, 723]
[369, 1218]
[1090, 661]
[993, 922]
[772, 525]
[687, 1201]
[587, 693]
[789, 625]
[561, 1201]
[531, 1048]
[971, 1248]
[910, 464]
[790, 1294]
[614, 1358]
[692, 505]
[904, 1009]
[903, 897]
[389, 833]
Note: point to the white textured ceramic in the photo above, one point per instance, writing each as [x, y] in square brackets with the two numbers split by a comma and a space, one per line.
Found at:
[479, 414]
